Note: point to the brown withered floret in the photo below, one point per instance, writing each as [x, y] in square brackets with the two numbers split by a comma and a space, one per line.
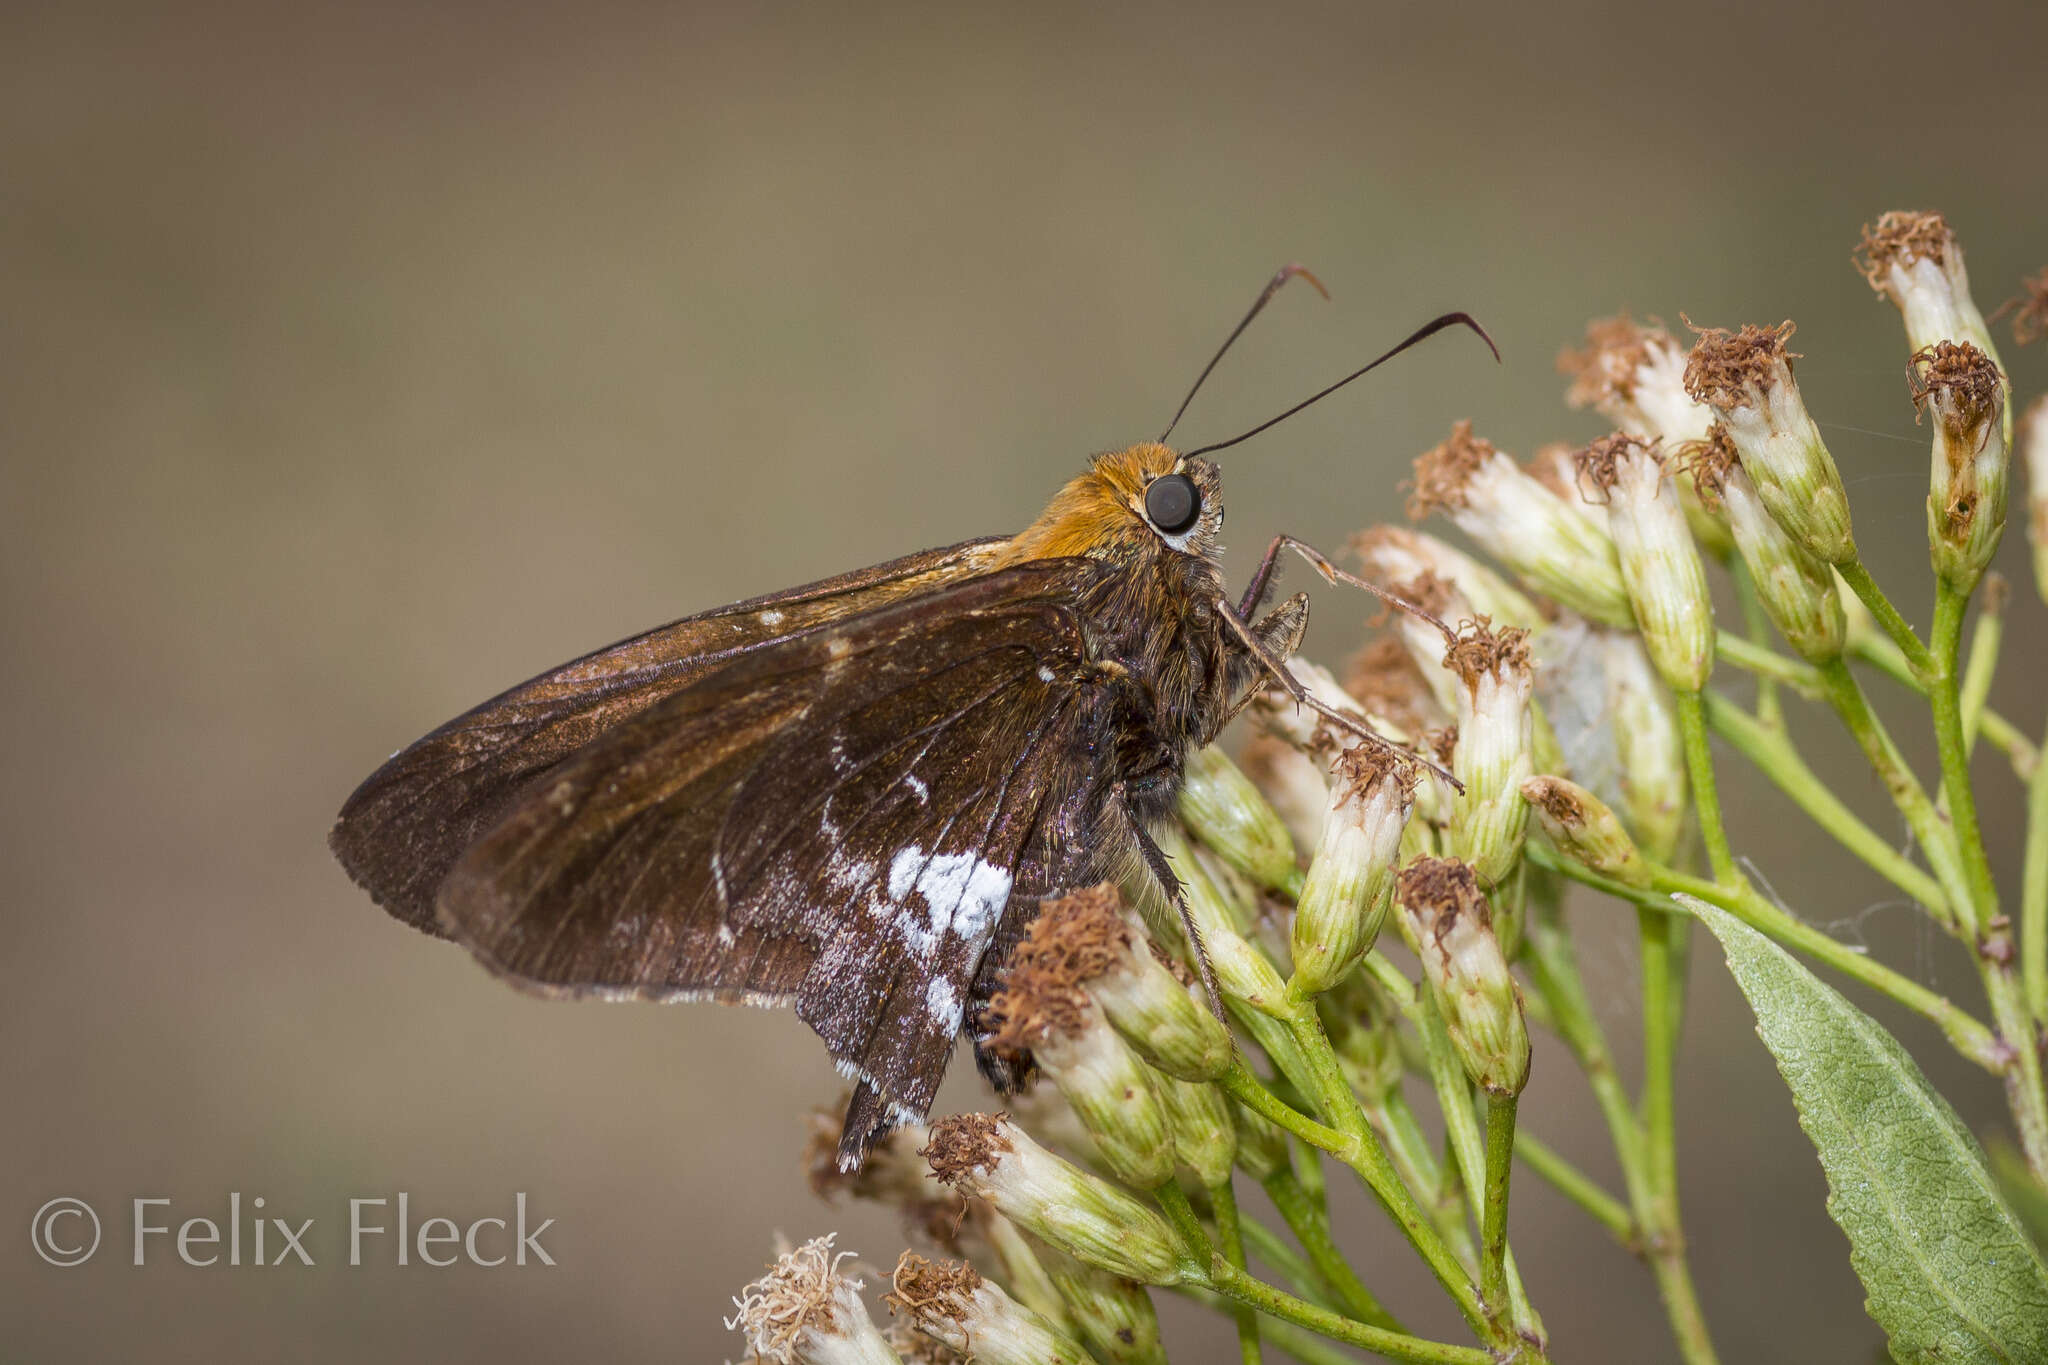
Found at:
[1709, 462]
[964, 1143]
[1959, 376]
[1727, 368]
[2030, 319]
[1363, 765]
[1606, 368]
[1599, 464]
[1078, 936]
[1387, 682]
[918, 1283]
[1036, 1002]
[1442, 474]
[1428, 590]
[1480, 649]
[1443, 742]
[889, 1176]
[1902, 235]
[1448, 889]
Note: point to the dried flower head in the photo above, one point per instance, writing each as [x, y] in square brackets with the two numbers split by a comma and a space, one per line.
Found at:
[1042, 1008]
[1085, 937]
[1667, 584]
[804, 1312]
[1746, 378]
[949, 1302]
[1634, 375]
[1451, 928]
[1389, 683]
[1349, 887]
[1913, 259]
[988, 1157]
[1495, 745]
[1542, 538]
[1970, 472]
[894, 1174]
[1398, 554]
[1585, 829]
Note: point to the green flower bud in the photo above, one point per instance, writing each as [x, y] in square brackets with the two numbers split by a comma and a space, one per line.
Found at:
[1535, 533]
[952, 1304]
[988, 1157]
[1913, 259]
[1350, 884]
[1039, 1009]
[1085, 937]
[1585, 829]
[804, 1312]
[1204, 1136]
[1667, 584]
[1649, 750]
[1451, 926]
[1746, 378]
[1797, 590]
[1112, 1314]
[2033, 445]
[1971, 463]
[1492, 757]
[1227, 813]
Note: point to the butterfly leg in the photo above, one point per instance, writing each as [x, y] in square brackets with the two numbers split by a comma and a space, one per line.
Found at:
[1293, 687]
[1262, 580]
[1161, 868]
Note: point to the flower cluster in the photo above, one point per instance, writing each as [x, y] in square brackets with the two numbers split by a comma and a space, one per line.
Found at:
[1385, 917]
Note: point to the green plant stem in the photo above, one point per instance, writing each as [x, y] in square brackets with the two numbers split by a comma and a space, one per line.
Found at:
[1773, 754]
[1304, 1346]
[1270, 1247]
[1575, 1185]
[2034, 899]
[1937, 838]
[1360, 1150]
[1951, 604]
[1766, 663]
[1553, 970]
[1205, 1268]
[1967, 1034]
[1985, 643]
[1311, 1228]
[1408, 1147]
[1918, 656]
[1500, 1161]
[1223, 1200]
[1699, 763]
[1989, 931]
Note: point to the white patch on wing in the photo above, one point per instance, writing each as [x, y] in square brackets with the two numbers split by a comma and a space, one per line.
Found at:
[918, 788]
[771, 618]
[1045, 674]
[962, 895]
[942, 1003]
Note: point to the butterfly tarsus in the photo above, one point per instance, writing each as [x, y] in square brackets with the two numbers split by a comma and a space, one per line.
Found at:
[1269, 562]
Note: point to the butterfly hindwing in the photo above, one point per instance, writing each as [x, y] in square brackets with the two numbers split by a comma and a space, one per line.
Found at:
[405, 826]
[836, 821]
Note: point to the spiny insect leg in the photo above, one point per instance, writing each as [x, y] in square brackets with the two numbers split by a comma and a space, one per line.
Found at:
[1331, 574]
[1162, 869]
[1303, 697]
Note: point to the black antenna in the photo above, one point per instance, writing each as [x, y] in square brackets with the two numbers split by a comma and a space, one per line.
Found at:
[1280, 277]
[1428, 329]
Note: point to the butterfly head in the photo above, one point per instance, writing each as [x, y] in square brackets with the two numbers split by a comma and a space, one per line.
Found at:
[1143, 498]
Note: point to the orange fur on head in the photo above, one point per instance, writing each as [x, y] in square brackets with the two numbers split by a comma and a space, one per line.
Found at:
[1097, 510]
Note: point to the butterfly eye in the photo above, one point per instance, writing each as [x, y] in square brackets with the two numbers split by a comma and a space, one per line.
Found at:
[1172, 503]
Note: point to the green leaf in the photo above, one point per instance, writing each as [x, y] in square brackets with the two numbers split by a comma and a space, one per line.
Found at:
[1950, 1275]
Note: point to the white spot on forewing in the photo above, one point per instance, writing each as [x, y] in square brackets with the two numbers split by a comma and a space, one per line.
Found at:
[942, 1003]
[962, 895]
[1045, 674]
[771, 618]
[918, 788]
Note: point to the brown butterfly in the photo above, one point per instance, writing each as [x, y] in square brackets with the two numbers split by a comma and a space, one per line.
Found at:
[849, 797]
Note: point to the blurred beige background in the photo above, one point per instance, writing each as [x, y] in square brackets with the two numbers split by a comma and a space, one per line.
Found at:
[361, 361]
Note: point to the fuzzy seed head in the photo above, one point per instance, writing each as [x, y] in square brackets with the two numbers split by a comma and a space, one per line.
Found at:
[1913, 259]
[949, 1302]
[804, 1312]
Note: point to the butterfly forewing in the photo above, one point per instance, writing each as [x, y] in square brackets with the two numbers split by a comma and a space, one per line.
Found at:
[404, 828]
[836, 820]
